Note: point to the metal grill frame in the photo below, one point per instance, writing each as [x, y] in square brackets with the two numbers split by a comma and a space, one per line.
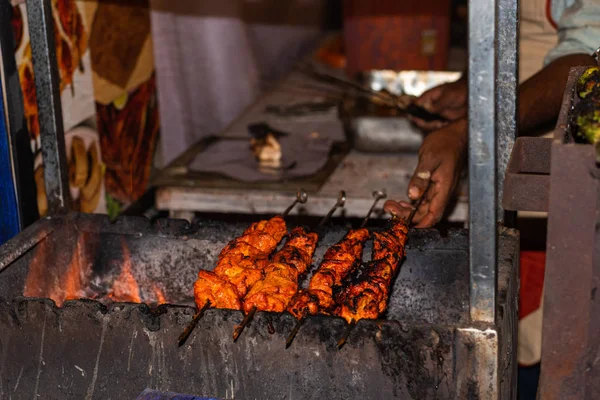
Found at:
[493, 79]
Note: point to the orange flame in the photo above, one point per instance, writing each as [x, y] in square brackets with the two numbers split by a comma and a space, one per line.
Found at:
[70, 280]
[125, 287]
[160, 296]
[44, 282]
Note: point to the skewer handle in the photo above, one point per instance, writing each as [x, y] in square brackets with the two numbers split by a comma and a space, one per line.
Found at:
[346, 334]
[190, 328]
[341, 201]
[377, 195]
[294, 332]
[240, 328]
[301, 197]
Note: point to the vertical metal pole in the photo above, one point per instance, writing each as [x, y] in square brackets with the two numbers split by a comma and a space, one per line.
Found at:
[507, 71]
[482, 159]
[47, 80]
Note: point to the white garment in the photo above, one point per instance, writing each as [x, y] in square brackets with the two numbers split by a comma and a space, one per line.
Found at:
[213, 59]
[578, 23]
[537, 37]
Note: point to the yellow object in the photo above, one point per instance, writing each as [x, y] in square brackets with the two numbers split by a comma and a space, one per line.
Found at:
[78, 165]
[121, 101]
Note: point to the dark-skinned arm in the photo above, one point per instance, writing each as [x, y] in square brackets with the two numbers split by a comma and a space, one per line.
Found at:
[443, 153]
[541, 95]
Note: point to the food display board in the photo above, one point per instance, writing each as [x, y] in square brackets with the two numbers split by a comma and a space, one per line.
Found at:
[109, 102]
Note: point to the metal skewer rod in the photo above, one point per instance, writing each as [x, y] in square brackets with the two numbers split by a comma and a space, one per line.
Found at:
[247, 319]
[188, 331]
[301, 198]
[377, 195]
[350, 84]
[417, 204]
[346, 334]
[294, 332]
[341, 201]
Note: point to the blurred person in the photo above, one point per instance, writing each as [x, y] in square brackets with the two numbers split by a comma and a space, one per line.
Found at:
[442, 156]
[547, 51]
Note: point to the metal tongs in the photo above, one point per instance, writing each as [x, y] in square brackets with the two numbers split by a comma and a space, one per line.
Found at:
[388, 98]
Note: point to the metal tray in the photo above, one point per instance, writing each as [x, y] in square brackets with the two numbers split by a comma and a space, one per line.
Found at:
[178, 174]
[374, 133]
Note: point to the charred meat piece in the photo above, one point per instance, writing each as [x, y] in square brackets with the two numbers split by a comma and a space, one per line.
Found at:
[367, 296]
[339, 261]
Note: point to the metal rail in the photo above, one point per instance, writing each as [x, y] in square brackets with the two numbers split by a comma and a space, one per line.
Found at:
[492, 128]
[47, 80]
[482, 159]
[507, 72]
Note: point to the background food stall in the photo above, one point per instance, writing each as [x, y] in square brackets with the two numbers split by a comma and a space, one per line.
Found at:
[81, 315]
[364, 144]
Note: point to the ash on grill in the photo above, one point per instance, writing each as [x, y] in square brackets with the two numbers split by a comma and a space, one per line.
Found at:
[424, 347]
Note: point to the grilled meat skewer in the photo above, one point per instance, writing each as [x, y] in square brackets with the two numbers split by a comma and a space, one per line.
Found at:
[367, 297]
[239, 265]
[338, 261]
[280, 283]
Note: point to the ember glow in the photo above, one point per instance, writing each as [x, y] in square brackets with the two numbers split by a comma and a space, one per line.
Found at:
[62, 276]
[125, 287]
[55, 283]
[160, 296]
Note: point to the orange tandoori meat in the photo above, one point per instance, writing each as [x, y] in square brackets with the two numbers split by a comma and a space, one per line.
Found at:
[240, 264]
[280, 283]
[367, 297]
[339, 261]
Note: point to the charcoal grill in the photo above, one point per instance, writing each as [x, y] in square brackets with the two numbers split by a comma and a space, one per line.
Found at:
[449, 331]
[426, 347]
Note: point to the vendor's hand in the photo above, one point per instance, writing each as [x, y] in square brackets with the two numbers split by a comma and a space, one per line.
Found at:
[441, 160]
[448, 100]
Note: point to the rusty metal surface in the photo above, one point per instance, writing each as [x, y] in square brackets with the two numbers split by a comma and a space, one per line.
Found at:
[418, 352]
[571, 326]
[22, 243]
[527, 182]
